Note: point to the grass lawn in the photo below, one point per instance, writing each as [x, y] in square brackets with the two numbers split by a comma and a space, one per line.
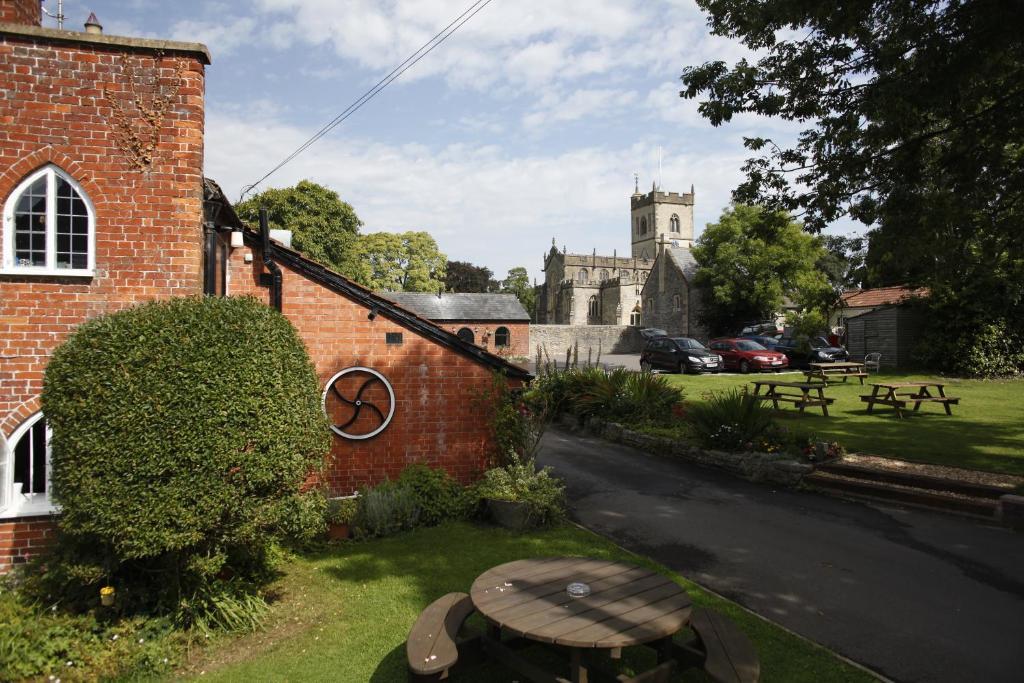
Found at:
[985, 432]
[343, 614]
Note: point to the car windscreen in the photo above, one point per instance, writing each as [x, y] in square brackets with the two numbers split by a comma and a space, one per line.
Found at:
[745, 345]
[819, 343]
[689, 344]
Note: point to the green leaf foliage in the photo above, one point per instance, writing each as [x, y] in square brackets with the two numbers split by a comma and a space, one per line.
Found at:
[521, 481]
[324, 228]
[401, 262]
[518, 283]
[730, 419]
[749, 261]
[462, 276]
[183, 433]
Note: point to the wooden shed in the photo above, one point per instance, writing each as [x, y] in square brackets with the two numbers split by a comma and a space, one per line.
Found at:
[893, 331]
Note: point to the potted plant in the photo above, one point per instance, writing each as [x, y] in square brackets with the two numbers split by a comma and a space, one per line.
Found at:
[519, 496]
[340, 513]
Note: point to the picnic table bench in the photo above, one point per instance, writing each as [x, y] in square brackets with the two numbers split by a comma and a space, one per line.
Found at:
[824, 371]
[890, 394]
[432, 648]
[801, 400]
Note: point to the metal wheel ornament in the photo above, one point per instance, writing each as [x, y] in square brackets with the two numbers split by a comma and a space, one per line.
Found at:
[358, 404]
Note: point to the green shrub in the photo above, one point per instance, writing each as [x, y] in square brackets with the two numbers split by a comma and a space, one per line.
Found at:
[438, 496]
[520, 481]
[183, 433]
[732, 420]
[518, 419]
[624, 395]
[341, 510]
[384, 510]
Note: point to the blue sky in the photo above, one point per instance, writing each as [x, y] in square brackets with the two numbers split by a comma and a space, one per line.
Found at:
[526, 125]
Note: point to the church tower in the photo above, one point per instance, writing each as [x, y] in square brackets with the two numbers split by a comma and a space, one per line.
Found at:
[660, 216]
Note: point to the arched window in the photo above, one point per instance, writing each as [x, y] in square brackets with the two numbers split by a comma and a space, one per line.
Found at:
[624, 274]
[673, 223]
[643, 276]
[634, 316]
[583, 275]
[603, 277]
[643, 226]
[593, 308]
[49, 227]
[502, 338]
[25, 470]
[675, 302]
[466, 335]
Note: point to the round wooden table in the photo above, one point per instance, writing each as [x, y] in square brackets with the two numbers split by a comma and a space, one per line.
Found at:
[627, 605]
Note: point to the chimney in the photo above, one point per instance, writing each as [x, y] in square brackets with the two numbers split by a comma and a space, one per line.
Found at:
[25, 12]
[93, 25]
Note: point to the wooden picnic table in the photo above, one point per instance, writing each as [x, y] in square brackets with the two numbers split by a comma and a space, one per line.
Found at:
[844, 369]
[627, 605]
[776, 393]
[893, 394]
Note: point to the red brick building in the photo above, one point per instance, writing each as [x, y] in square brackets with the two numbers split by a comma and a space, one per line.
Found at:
[103, 196]
[496, 322]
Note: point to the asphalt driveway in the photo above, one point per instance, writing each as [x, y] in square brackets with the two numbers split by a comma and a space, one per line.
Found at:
[914, 595]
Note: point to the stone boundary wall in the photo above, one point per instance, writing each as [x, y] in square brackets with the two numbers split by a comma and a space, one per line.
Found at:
[611, 338]
[774, 468]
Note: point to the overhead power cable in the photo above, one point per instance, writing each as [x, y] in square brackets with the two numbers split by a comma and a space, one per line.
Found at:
[409, 62]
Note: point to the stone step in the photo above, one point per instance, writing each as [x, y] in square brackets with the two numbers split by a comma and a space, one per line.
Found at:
[907, 495]
[914, 480]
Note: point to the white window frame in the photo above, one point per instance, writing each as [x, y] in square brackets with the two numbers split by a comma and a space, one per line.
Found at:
[24, 504]
[9, 267]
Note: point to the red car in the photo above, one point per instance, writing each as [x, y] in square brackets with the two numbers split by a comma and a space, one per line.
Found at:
[746, 355]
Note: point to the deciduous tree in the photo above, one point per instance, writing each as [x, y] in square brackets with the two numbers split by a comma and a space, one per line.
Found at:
[518, 283]
[401, 262]
[462, 276]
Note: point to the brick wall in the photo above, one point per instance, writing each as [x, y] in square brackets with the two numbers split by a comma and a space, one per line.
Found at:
[26, 12]
[148, 218]
[61, 107]
[483, 335]
[438, 418]
[22, 539]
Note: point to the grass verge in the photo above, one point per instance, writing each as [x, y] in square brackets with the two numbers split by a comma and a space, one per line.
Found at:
[985, 432]
[344, 613]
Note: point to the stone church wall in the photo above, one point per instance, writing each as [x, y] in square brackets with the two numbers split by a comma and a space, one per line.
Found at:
[610, 338]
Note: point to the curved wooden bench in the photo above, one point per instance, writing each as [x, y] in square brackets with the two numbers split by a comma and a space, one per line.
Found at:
[433, 644]
[729, 656]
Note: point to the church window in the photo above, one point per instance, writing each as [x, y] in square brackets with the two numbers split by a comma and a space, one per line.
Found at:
[501, 337]
[583, 275]
[673, 223]
[624, 274]
[643, 276]
[604, 276]
[49, 227]
[594, 310]
[634, 316]
[675, 302]
[643, 226]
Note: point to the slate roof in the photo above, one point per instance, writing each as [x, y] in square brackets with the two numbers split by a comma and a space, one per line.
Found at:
[503, 307]
[684, 261]
[880, 296]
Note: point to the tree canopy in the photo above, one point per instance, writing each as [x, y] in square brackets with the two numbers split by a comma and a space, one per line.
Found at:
[749, 261]
[324, 228]
[462, 276]
[518, 283]
[401, 262]
[912, 118]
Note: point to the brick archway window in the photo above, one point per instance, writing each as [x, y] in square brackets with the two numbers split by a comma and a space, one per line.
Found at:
[466, 335]
[502, 337]
[25, 470]
[49, 227]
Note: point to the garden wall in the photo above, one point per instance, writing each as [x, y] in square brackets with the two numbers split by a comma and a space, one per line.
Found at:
[610, 338]
[774, 468]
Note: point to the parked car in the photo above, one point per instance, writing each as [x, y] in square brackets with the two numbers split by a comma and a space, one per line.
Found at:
[652, 332]
[746, 355]
[765, 328]
[801, 352]
[678, 354]
[765, 341]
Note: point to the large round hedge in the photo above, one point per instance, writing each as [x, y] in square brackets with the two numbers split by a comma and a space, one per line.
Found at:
[183, 431]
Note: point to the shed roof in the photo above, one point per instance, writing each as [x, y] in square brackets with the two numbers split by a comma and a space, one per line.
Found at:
[880, 296]
[462, 306]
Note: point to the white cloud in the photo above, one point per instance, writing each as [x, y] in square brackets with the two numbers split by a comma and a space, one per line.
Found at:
[487, 205]
[586, 103]
[221, 37]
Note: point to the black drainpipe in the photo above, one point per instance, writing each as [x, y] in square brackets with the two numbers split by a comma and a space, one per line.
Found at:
[209, 259]
[273, 278]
